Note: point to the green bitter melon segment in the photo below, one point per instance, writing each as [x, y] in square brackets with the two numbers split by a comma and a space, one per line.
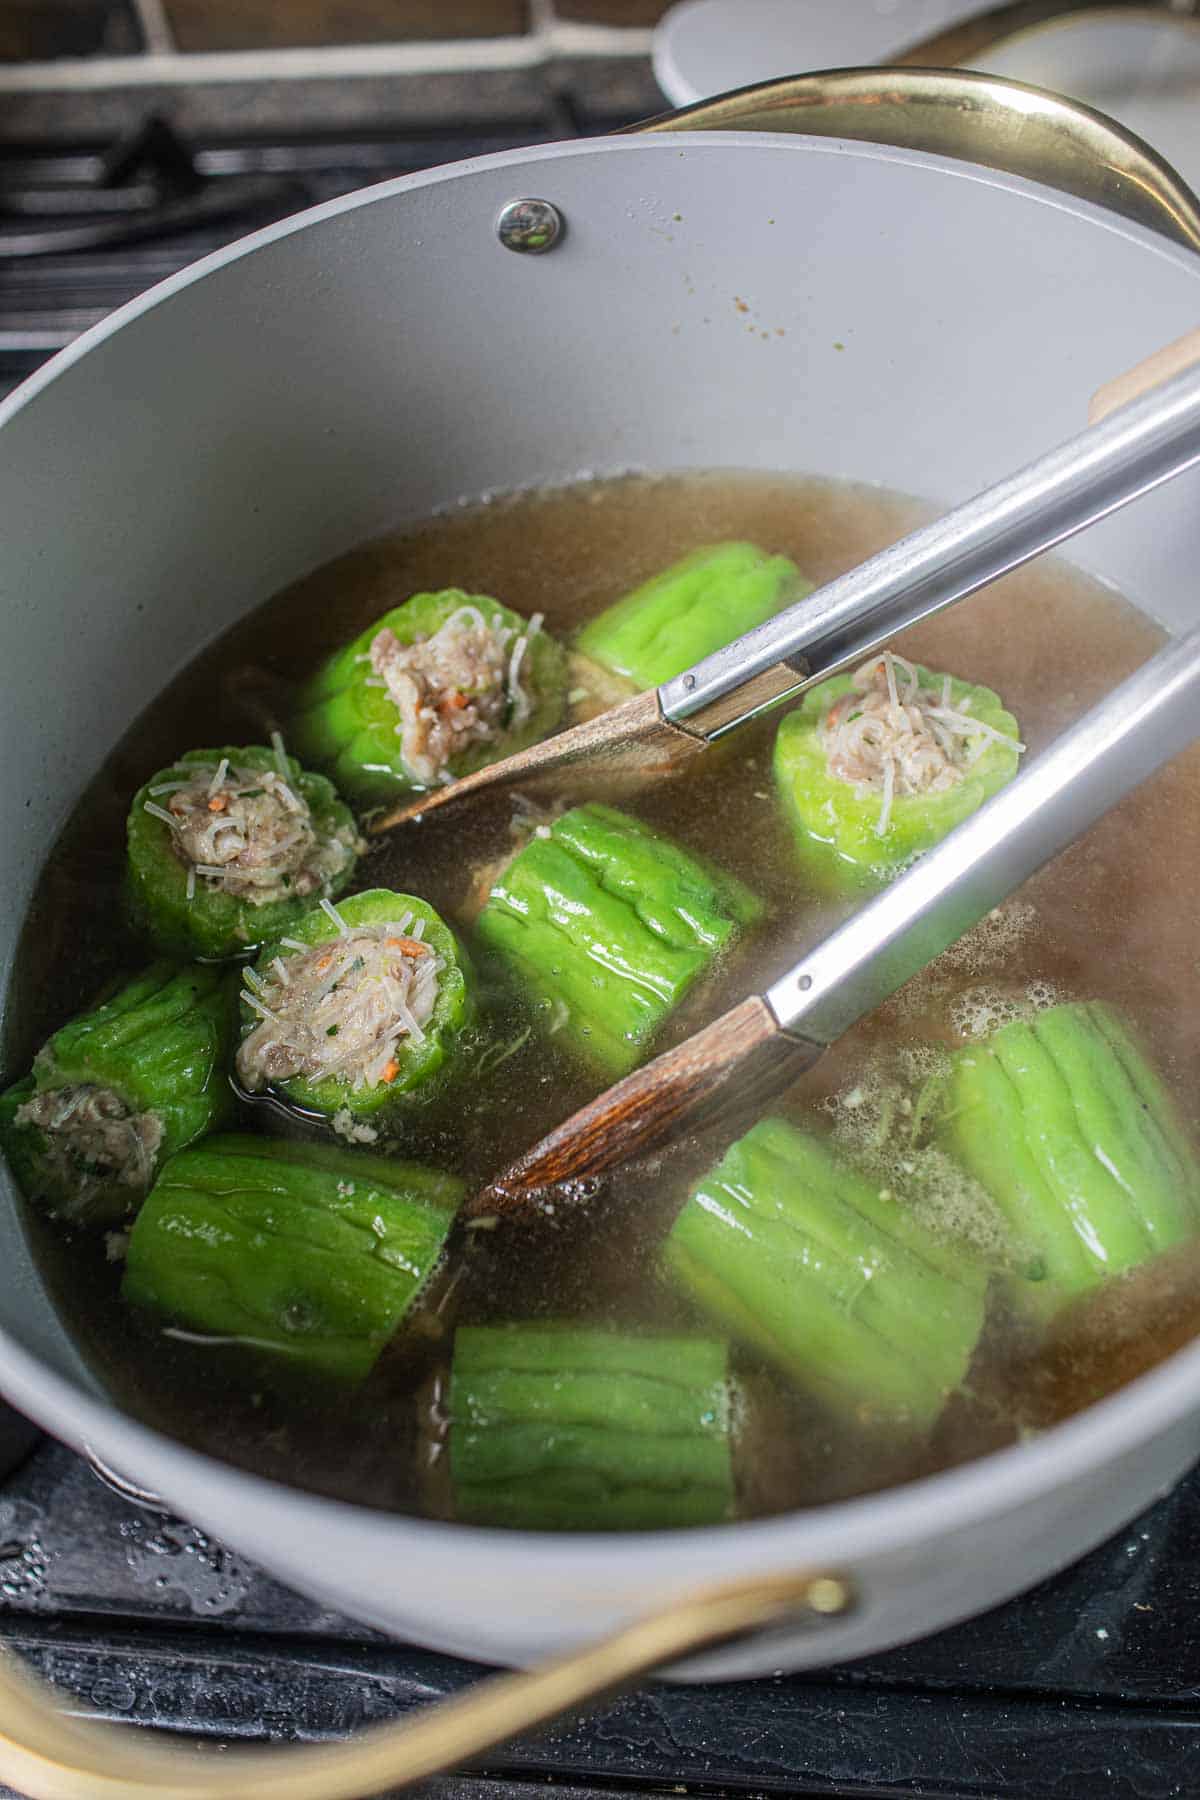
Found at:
[435, 689]
[308, 1252]
[558, 1426]
[119, 1089]
[605, 927]
[792, 1251]
[867, 784]
[358, 1010]
[228, 847]
[682, 615]
[1065, 1122]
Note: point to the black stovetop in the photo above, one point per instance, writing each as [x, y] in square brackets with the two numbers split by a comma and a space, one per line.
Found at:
[1090, 1685]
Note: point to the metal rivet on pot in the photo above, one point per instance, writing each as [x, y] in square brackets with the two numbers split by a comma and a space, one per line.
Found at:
[829, 1594]
[530, 226]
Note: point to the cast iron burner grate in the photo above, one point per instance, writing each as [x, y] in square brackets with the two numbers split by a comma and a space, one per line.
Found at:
[146, 186]
[83, 230]
[1088, 1686]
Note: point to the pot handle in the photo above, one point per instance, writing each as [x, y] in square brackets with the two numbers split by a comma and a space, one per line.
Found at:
[48, 1755]
[983, 119]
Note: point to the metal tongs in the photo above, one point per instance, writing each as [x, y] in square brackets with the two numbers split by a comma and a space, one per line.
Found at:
[1143, 443]
[766, 1042]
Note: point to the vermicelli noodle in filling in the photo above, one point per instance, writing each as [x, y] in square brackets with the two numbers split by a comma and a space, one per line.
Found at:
[342, 1008]
[90, 1129]
[458, 687]
[248, 833]
[906, 742]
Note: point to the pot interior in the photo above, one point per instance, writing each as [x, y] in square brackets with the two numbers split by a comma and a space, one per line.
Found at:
[871, 317]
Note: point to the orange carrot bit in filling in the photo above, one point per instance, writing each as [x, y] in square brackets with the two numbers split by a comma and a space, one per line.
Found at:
[244, 832]
[350, 1009]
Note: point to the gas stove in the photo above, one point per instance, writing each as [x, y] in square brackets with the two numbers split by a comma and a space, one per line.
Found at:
[1088, 1685]
[84, 228]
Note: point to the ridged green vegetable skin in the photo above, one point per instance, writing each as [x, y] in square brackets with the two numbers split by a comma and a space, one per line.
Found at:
[424, 1066]
[313, 1253]
[834, 823]
[698, 605]
[1066, 1123]
[605, 926]
[161, 1045]
[558, 1426]
[348, 726]
[213, 924]
[793, 1252]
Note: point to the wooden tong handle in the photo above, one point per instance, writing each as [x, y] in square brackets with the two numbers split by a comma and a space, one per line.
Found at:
[1172, 359]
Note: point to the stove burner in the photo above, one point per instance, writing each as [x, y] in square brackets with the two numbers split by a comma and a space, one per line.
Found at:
[83, 231]
[146, 186]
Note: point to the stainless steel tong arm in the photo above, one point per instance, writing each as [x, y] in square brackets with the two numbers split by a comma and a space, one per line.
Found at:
[1103, 468]
[1139, 726]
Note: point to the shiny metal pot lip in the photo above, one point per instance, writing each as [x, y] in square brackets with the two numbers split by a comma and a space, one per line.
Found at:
[835, 1533]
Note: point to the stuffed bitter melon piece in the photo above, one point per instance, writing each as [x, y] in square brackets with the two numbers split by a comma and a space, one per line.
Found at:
[435, 689]
[311, 1252]
[558, 1426]
[119, 1089]
[698, 605]
[1066, 1123]
[875, 767]
[792, 1251]
[227, 847]
[605, 926]
[359, 1008]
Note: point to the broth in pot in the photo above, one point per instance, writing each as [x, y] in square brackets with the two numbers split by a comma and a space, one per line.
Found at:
[846, 1298]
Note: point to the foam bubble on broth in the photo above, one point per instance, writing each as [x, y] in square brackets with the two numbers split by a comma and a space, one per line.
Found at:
[1102, 922]
[877, 1125]
[986, 950]
[980, 1010]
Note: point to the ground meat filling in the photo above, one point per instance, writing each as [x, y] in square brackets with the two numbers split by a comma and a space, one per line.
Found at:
[90, 1132]
[890, 734]
[345, 1008]
[459, 687]
[248, 833]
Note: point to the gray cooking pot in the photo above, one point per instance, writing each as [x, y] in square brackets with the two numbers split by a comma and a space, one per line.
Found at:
[781, 302]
